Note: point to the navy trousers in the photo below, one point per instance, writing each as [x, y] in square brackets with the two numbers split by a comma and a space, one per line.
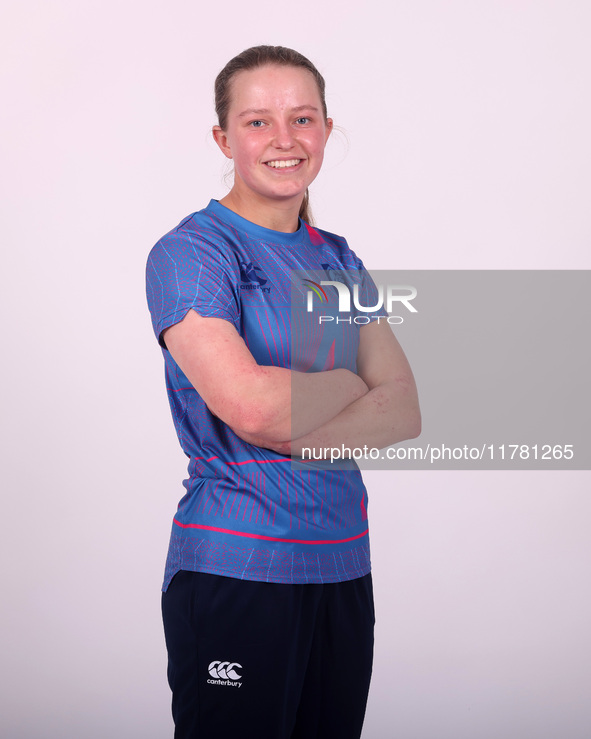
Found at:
[268, 661]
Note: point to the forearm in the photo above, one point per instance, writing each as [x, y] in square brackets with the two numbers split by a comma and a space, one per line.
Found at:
[255, 400]
[386, 415]
[284, 404]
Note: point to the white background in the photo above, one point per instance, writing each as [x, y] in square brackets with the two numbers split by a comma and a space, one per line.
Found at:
[466, 145]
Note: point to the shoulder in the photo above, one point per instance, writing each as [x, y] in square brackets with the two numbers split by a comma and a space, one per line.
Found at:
[197, 238]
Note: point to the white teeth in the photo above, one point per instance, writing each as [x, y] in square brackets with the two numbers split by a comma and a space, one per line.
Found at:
[278, 164]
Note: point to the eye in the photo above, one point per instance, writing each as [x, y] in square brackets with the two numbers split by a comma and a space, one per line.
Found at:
[303, 120]
[256, 124]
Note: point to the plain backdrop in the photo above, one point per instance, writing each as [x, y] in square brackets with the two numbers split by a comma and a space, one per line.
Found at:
[464, 143]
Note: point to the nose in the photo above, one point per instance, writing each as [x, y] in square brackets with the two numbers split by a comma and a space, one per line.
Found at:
[284, 136]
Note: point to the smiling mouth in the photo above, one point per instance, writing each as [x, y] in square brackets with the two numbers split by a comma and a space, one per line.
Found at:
[283, 163]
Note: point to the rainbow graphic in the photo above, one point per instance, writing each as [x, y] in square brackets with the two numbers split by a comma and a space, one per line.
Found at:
[318, 290]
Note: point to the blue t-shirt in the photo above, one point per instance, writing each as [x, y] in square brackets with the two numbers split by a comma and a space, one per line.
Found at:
[248, 512]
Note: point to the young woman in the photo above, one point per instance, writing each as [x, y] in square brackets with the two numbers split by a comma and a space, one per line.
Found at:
[267, 603]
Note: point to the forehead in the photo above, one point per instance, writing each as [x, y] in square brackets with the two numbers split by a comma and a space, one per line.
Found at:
[273, 86]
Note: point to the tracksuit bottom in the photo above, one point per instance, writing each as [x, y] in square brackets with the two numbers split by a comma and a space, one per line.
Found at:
[263, 660]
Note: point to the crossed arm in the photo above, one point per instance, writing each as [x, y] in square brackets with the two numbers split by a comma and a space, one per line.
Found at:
[377, 407]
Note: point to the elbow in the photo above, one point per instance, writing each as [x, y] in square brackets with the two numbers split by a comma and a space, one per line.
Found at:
[254, 422]
[403, 404]
[412, 418]
[259, 420]
[414, 424]
[406, 425]
[256, 408]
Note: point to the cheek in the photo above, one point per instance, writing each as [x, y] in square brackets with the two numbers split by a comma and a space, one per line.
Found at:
[317, 151]
[316, 145]
[246, 154]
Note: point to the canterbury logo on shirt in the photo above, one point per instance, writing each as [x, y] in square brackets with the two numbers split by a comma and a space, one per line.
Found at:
[248, 274]
[224, 673]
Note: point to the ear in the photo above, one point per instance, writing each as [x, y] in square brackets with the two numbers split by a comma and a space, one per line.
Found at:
[221, 140]
[329, 127]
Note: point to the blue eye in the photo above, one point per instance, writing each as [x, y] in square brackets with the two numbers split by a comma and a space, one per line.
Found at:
[303, 120]
[256, 124]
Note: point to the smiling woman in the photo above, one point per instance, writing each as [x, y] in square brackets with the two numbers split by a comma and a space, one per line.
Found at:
[268, 570]
[275, 131]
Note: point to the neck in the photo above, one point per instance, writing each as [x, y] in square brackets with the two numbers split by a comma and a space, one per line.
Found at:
[278, 216]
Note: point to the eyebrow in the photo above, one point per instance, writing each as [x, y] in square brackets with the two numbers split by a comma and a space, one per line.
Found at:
[265, 111]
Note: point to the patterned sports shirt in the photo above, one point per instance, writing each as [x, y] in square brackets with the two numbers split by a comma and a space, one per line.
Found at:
[248, 512]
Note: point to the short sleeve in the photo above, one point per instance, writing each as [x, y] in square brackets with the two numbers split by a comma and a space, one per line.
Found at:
[185, 272]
